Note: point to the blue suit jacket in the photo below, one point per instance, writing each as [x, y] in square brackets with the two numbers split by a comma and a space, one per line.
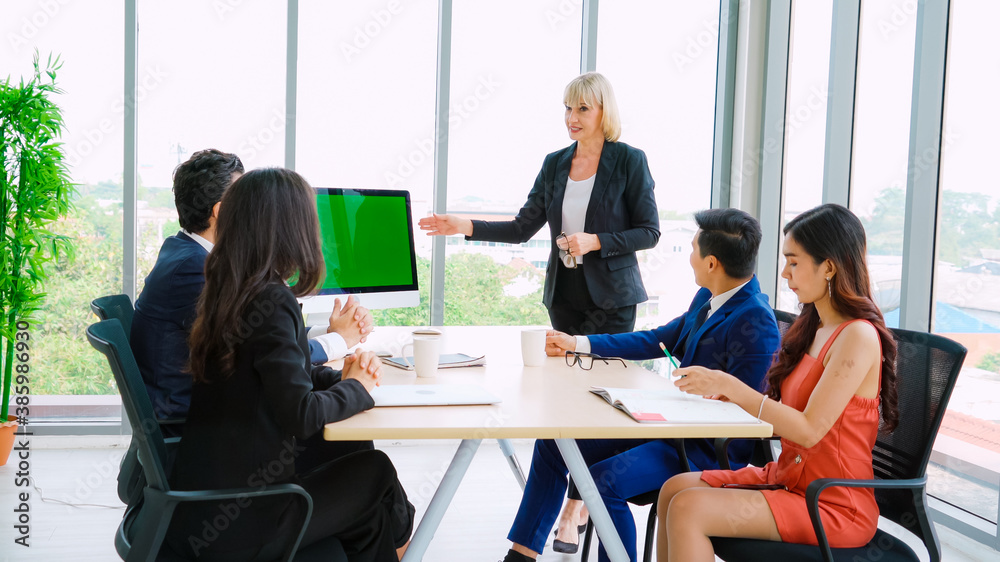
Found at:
[740, 338]
[164, 314]
[622, 213]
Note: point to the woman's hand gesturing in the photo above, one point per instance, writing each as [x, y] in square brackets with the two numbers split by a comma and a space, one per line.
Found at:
[439, 225]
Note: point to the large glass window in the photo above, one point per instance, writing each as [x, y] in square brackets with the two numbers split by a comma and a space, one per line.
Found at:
[881, 141]
[967, 268]
[805, 116]
[506, 114]
[663, 66]
[366, 108]
[92, 81]
[210, 75]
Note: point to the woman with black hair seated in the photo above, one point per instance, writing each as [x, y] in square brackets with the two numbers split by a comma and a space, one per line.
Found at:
[831, 383]
[255, 395]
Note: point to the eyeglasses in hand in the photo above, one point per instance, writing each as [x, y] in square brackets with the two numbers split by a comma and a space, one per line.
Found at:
[568, 259]
[586, 360]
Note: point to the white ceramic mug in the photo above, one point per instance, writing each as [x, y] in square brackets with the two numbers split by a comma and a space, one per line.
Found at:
[533, 347]
[426, 346]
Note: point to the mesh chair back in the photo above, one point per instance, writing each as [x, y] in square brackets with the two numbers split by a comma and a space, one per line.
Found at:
[108, 337]
[927, 367]
[785, 320]
[115, 306]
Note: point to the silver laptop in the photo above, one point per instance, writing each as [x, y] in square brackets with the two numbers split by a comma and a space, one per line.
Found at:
[432, 395]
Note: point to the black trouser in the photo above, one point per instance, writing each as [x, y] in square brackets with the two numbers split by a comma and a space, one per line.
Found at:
[358, 499]
[318, 451]
[574, 312]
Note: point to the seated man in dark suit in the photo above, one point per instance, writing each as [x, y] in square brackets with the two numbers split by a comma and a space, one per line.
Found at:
[166, 308]
[728, 326]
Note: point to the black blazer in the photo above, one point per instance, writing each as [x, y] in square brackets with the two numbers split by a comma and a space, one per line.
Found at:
[243, 430]
[622, 213]
[164, 313]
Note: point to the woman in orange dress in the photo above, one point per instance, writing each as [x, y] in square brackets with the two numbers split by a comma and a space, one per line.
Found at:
[834, 370]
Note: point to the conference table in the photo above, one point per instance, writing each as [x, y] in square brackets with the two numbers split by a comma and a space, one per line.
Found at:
[547, 402]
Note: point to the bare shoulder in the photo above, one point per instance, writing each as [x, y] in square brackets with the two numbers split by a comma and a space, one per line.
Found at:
[857, 339]
[860, 332]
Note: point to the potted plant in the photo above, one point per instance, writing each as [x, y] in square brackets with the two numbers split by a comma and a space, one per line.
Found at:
[34, 191]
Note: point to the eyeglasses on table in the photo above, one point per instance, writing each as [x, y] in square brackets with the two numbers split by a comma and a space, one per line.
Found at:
[586, 360]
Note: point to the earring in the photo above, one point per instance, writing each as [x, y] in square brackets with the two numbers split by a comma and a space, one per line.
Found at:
[829, 287]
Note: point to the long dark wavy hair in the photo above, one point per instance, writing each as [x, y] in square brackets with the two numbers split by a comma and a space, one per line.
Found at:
[832, 232]
[267, 232]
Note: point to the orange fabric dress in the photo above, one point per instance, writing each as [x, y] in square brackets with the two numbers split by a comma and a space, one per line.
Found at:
[850, 515]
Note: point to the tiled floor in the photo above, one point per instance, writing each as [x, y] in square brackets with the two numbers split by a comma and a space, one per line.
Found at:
[82, 471]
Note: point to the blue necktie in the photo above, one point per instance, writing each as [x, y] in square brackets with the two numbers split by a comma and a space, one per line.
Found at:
[702, 315]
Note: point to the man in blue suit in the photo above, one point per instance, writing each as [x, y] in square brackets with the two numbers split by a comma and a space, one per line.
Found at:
[729, 326]
[166, 308]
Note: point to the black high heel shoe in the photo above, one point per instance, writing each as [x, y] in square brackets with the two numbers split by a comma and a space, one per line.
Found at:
[568, 547]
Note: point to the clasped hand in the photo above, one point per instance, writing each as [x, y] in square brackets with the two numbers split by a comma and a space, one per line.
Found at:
[353, 322]
[365, 367]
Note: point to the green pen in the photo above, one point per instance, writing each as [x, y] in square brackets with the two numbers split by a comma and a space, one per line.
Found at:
[670, 357]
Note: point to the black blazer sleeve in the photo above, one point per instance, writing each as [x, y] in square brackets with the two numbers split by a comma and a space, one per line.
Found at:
[324, 377]
[281, 363]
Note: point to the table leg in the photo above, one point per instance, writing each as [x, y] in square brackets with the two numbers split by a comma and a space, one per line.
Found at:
[580, 472]
[442, 498]
[515, 467]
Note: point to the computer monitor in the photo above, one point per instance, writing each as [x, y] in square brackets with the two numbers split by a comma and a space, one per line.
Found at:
[367, 237]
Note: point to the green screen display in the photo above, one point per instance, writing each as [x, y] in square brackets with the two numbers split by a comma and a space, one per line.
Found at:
[367, 240]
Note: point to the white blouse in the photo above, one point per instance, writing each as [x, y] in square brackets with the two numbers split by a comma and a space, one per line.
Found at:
[574, 207]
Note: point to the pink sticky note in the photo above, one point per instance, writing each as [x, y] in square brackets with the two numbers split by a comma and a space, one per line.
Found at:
[649, 417]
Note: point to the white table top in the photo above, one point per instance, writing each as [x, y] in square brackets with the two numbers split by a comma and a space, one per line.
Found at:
[548, 402]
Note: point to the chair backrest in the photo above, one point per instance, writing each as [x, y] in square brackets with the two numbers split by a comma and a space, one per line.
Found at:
[927, 367]
[108, 337]
[115, 306]
[785, 320]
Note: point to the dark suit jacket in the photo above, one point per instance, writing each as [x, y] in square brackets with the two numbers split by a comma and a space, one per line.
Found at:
[740, 338]
[242, 430]
[622, 213]
[164, 313]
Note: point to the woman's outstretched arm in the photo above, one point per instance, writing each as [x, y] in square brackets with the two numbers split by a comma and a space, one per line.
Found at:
[852, 365]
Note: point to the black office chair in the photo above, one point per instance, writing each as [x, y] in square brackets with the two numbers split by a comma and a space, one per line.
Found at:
[785, 320]
[130, 481]
[927, 367]
[648, 498]
[129, 472]
[115, 306]
[142, 531]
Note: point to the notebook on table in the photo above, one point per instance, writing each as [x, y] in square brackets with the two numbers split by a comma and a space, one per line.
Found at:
[672, 406]
[432, 395]
[446, 361]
